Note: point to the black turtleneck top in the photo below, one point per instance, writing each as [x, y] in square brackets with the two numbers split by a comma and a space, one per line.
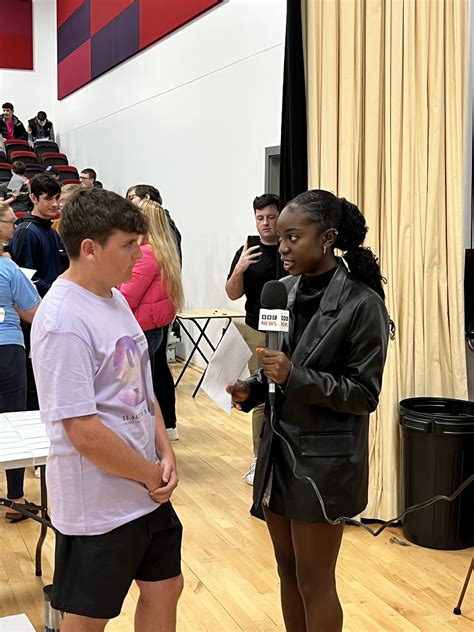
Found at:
[308, 297]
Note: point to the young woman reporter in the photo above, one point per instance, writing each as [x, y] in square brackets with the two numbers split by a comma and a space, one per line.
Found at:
[155, 294]
[18, 296]
[329, 374]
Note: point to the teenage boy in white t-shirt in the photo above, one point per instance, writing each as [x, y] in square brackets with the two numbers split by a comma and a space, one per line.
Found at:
[111, 469]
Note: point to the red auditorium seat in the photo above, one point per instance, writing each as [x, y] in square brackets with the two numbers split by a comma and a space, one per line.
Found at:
[5, 170]
[43, 146]
[67, 172]
[16, 145]
[54, 158]
[28, 157]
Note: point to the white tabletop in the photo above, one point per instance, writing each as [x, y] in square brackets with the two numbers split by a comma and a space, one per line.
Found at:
[16, 623]
[23, 440]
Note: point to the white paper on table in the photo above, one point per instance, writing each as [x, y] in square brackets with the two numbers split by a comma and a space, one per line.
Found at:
[28, 272]
[18, 417]
[225, 367]
[31, 432]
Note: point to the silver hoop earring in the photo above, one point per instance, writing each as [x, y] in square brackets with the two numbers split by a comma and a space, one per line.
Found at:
[324, 250]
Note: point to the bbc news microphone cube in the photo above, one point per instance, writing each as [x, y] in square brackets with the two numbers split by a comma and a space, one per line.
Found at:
[274, 320]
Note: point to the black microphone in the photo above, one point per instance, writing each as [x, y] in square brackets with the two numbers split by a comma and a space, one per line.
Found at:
[274, 318]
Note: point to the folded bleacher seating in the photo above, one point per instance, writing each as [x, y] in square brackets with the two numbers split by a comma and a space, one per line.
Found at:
[5, 170]
[28, 157]
[33, 170]
[43, 146]
[54, 158]
[67, 172]
[15, 145]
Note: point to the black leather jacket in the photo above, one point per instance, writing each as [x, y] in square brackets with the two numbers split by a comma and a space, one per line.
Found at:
[323, 409]
[19, 130]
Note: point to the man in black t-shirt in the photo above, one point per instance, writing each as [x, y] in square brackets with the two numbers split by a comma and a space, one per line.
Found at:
[252, 267]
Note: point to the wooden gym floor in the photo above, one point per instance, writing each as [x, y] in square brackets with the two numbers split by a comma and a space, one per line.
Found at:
[385, 584]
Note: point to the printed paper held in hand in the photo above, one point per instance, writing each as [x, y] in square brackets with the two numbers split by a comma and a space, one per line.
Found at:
[28, 272]
[226, 366]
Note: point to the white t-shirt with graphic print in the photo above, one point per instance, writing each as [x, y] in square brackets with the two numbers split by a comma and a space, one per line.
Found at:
[90, 356]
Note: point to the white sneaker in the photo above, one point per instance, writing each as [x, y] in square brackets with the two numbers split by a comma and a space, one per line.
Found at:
[172, 434]
[249, 476]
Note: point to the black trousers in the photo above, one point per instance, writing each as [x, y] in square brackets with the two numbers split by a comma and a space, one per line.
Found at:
[163, 383]
[12, 400]
[32, 402]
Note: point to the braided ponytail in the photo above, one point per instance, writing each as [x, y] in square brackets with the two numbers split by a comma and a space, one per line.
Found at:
[362, 262]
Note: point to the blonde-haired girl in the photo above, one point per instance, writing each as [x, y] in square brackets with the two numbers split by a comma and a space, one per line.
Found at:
[155, 294]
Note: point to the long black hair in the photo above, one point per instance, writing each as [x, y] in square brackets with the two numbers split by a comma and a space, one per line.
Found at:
[328, 211]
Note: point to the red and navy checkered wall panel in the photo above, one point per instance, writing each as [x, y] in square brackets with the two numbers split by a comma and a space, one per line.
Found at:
[96, 35]
[16, 34]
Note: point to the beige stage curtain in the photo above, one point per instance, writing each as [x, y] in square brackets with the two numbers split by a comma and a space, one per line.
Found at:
[387, 87]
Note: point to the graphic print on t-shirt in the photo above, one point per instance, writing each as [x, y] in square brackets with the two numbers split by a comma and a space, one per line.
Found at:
[130, 366]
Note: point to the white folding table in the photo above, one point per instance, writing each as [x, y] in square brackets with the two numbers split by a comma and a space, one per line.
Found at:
[24, 443]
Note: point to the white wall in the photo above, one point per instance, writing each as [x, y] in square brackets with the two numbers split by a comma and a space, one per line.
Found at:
[33, 90]
[191, 115]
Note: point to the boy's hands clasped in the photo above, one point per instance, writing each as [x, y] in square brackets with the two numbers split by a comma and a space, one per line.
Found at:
[163, 480]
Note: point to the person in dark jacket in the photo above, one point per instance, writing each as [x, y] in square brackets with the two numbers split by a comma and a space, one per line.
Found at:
[35, 244]
[10, 125]
[328, 371]
[40, 128]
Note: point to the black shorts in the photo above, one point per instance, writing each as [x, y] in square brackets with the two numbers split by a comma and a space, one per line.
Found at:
[93, 574]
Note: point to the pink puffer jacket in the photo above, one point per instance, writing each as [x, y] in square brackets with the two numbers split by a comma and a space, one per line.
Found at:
[150, 304]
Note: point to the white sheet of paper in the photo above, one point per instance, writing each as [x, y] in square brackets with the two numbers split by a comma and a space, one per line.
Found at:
[226, 366]
[16, 623]
[28, 272]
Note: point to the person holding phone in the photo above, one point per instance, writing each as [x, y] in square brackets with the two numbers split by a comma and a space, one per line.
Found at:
[255, 263]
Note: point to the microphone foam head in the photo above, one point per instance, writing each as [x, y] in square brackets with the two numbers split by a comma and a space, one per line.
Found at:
[274, 295]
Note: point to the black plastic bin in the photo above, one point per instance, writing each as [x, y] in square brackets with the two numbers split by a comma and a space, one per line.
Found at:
[437, 456]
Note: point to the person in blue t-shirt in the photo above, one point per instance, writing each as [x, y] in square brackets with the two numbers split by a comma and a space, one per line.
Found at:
[18, 298]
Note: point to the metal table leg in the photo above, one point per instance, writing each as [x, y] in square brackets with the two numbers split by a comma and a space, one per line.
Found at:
[195, 346]
[202, 335]
[457, 609]
[43, 518]
[195, 392]
[44, 515]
